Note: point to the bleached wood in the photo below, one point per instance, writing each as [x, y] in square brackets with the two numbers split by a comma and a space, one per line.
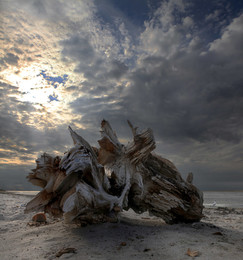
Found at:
[93, 185]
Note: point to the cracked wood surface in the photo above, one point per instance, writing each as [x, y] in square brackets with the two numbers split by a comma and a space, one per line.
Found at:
[93, 185]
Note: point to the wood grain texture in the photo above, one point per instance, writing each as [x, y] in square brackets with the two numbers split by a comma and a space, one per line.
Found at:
[93, 185]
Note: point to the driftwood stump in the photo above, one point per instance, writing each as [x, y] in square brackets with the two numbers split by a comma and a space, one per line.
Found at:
[93, 185]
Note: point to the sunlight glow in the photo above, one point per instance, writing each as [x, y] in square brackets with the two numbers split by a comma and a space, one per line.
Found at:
[32, 86]
[48, 99]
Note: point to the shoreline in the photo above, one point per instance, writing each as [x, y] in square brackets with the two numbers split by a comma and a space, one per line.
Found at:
[208, 201]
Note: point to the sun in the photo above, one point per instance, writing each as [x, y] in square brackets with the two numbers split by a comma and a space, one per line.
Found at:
[32, 87]
[45, 97]
[46, 94]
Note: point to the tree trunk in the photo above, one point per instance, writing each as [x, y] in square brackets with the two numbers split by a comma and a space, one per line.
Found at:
[93, 185]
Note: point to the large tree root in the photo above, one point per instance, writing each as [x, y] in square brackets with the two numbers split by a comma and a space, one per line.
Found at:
[93, 185]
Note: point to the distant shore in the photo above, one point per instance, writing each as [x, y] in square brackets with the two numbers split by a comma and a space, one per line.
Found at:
[18, 192]
[231, 199]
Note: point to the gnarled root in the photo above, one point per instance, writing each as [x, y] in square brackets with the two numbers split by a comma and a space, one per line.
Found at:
[93, 185]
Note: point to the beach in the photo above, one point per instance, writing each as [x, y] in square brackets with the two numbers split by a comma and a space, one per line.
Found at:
[218, 236]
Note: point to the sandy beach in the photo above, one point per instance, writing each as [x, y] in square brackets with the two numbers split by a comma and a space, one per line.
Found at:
[218, 236]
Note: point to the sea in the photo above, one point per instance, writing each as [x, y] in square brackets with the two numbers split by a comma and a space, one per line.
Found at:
[231, 199]
[12, 203]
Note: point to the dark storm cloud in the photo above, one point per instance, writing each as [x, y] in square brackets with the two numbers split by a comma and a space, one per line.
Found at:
[101, 105]
[118, 69]
[193, 94]
[102, 93]
[88, 105]
[187, 92]
[185, 105]
[94, 110]
[78, 48]
[93, 64]
[215, 179]
[179, 72]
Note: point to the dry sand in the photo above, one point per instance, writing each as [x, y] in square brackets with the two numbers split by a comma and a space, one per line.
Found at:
[218, 236]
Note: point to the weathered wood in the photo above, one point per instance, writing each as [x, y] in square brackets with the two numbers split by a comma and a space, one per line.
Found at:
[93, 185]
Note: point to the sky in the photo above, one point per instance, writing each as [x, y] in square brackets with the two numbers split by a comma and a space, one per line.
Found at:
[174, 66]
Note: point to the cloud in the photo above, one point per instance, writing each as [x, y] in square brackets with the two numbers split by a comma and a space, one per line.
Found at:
[11, 59]
[230, 43]
[79, 49]
[118, 69]
[213, 16]
[182, 93]
[78, 62]
[176, 86]
[188, 22]
[21, 142]
[167, 31]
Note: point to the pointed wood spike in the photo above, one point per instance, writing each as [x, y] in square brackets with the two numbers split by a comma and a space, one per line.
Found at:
[109, 141]
[141, 146]
[107, 131]
[74, 135]
[77, 139]
[134, 129]
[189, 178]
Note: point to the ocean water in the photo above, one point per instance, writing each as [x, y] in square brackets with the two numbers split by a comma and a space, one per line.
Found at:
[231, 199]
[12, 203]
